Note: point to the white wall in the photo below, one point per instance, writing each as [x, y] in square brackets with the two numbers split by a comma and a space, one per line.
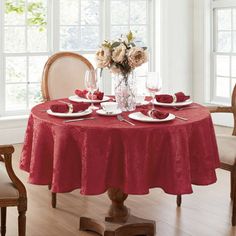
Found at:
[177, 45]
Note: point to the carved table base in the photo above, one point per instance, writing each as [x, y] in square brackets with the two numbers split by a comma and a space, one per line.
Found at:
[119, 221]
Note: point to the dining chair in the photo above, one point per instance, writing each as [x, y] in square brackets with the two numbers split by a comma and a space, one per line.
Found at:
[12, 191]
[227, 151]
[63, 73]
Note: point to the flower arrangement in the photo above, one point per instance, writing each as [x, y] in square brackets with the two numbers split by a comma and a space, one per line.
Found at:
[122, 55]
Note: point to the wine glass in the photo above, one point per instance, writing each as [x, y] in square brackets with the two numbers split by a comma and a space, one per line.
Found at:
[91, 84]
[153, 84]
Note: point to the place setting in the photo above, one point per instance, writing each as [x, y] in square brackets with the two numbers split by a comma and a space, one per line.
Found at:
[91, 94]
[63, 109]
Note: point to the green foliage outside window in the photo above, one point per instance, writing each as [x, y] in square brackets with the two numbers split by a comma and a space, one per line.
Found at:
[36, 11]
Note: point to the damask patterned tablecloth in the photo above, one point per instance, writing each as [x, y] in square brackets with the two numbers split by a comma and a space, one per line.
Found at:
[98, 154]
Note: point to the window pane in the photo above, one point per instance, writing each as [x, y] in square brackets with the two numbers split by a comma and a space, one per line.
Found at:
[234, 43]
[36, 65]
[35, 95]
[37, 12]
[37, 39]
[232, 84]
[69, 39]
[15, 69]
[69, 13]
[117, 31]
[18, 44]
[15, 97]
[223, 65]
[233, 67]
[138, 11]
[140, 33]
[14, 12]
[119, 12]
[234, 19]
[224, 19]
[222, 87]
[89, 37]
[89, 12]
[224, 41]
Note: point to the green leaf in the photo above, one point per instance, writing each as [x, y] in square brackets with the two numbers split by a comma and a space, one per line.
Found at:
[115, 44]
[130, 36]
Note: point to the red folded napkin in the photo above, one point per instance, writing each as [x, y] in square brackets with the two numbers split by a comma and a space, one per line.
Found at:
[97, 95]
[66, 108]
[177, 97]
[155, 114]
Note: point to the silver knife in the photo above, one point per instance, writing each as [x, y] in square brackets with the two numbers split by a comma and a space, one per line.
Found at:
[80, 119]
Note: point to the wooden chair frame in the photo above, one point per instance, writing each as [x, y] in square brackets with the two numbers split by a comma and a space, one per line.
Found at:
[50, 61]
[21, 201]
[226, 166]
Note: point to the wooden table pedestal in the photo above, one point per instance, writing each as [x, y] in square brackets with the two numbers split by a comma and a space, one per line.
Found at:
[119, 221]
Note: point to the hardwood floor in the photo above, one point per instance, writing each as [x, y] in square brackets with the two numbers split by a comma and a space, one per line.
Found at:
[206, 212]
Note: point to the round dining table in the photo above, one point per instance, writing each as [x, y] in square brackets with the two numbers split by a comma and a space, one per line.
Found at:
[106, 154]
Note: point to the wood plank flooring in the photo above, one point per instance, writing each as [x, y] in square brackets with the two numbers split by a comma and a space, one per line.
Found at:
[206, 212]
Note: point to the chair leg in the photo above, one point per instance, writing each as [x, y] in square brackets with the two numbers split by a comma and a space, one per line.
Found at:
[3, 220]
[179, 200]
[21, 223]
[54, 200]
[232, 183]
[233, 193]
[49, 187]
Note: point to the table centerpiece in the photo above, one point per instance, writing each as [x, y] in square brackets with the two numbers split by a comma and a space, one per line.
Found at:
[121, 57]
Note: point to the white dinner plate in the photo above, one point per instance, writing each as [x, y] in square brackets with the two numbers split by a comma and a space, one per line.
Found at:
[143, 103]
[141, 117]
[75, 114]
[104, 113]
[174, 104]
[76, 98]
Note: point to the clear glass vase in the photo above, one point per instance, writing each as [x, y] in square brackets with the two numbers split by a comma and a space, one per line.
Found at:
[125, 90]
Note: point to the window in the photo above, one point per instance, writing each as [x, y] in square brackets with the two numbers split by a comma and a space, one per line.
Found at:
[223, 50]
[32, 30]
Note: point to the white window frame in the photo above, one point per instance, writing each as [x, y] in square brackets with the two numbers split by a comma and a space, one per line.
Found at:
[53, 26]
[218, 4]
[4, 55]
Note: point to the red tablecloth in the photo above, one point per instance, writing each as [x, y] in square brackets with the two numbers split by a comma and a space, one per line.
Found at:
[95, 155]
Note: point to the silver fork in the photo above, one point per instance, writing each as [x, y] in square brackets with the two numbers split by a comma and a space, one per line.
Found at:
[184, 108]
[68, 103]
[121, 118]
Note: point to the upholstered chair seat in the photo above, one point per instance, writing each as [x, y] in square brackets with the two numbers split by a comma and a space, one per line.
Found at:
[7, 189]
[12, 191]
[227, 148]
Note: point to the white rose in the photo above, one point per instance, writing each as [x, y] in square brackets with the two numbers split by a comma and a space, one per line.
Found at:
[118, 55]
[103, 57]
[137, 56]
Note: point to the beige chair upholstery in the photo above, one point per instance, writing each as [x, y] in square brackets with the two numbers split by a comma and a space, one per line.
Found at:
[63, 73]
[227, 148]
[12, 191]
[7, 189]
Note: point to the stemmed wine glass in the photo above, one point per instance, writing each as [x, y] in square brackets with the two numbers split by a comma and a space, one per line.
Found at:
[153, 85]
[91, 84]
